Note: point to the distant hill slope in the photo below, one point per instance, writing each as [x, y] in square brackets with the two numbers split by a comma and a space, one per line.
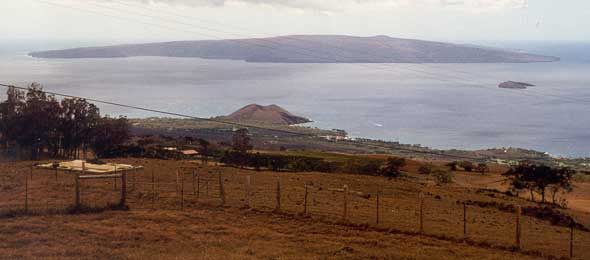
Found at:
[309, 49]
[272, 114]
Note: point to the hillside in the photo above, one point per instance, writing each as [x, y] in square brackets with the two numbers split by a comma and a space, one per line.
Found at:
[180, 216]
[272, 114]
[309, 49]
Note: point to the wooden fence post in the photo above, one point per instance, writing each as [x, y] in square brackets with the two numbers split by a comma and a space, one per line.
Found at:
[421, 197]
[134, 177]
[278, 206]
[248, 191]
[345, 208]
[115, 179]
[198, 186]
[377, 209]
[182, 192]
[77, 201]
[464, 219]
[194, 188]
[572, 240]
[518, 227]
[153, 189]
[26, 195]
[221, 190]
[123, 188]
[305, 200]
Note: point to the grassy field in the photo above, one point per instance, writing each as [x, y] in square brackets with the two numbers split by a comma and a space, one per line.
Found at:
[156, 227]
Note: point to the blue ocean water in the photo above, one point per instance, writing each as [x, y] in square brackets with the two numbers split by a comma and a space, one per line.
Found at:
[436, 105]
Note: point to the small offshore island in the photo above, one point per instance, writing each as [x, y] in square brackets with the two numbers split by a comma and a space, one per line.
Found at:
[515, 85]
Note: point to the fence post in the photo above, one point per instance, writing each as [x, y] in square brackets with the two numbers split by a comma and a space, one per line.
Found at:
[305, 201]
[421, 197]
[221, 190]
[123, 188]
[182, 192]
[153, 189]
[518, 227]
[77, 202]
[115, 179]
[248, 191]
[134, 177]
[26, 195]
[198, 186]
[194, 188]
[377, 208]
[572, 240]
[278, 207]
[464, 219]
[345, 208]
[31, 172]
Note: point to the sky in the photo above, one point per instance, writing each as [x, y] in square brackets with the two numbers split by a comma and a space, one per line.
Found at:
[132, 21]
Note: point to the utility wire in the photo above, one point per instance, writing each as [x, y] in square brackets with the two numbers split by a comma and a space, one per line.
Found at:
[238, 124]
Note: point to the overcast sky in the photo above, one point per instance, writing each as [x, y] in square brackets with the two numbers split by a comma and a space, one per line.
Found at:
[119, 21]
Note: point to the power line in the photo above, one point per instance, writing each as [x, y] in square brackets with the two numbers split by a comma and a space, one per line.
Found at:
[238, 124]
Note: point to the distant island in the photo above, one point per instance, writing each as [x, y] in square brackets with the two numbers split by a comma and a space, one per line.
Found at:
[515, 85]
[270, 115]
[309, 49]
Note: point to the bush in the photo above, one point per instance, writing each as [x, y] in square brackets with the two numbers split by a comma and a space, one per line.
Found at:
[425, 169]
[467, 166]
[393, 167]
[452, 165]
[443, 177]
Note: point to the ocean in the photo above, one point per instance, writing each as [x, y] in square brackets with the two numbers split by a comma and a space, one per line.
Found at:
[447, 106]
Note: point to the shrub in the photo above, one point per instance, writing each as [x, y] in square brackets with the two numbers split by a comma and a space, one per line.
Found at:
[393, 167]
[467, 166]
[452, 165]
[425, 169]
[443, 177]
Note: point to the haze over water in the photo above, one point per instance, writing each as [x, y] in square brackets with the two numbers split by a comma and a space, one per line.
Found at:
[436, 105]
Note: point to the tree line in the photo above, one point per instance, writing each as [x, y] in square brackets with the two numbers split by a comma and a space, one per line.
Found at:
[37, 123]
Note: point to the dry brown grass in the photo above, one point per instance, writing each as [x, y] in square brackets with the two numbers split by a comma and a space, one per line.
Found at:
[205, 231]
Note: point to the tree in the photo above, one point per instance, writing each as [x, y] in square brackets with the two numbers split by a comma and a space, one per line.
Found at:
[241, 141]
[204, 150]
[241, 145]
[393, 167]
[539, 178]
[109, 135]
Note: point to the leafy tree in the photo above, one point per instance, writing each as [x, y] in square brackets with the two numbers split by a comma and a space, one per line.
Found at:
[109, 135]
[539, 178]
[241, 141]
[241, 145]
[204, 150]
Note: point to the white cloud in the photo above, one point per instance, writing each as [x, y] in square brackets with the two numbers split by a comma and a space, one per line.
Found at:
[341, 5]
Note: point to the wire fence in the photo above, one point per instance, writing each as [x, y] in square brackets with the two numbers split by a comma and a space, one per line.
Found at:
[41, 191]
